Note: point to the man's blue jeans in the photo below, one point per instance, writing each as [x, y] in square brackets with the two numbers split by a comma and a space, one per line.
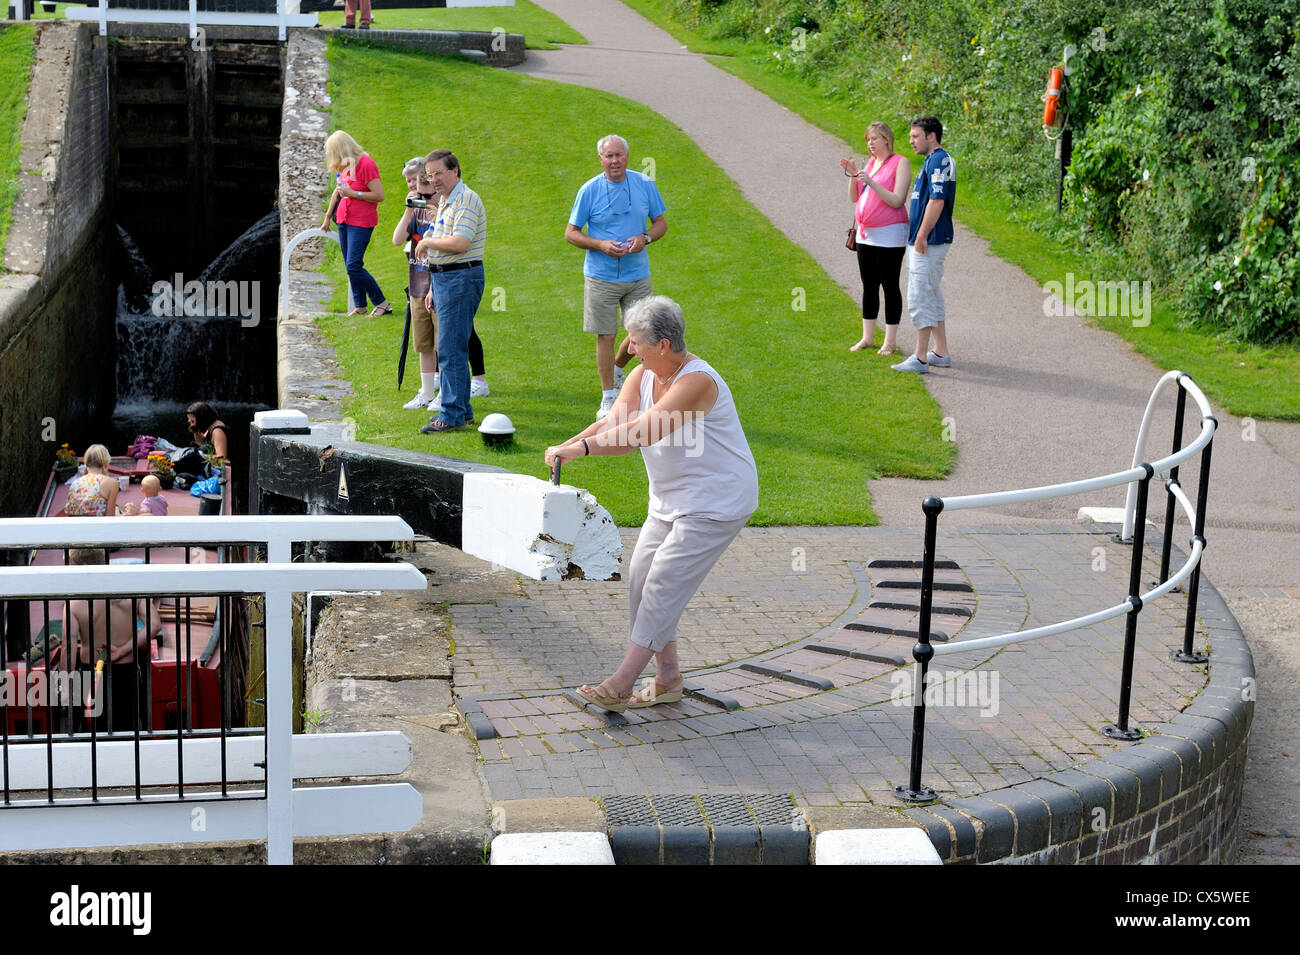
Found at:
[456, 297]
[353, 241]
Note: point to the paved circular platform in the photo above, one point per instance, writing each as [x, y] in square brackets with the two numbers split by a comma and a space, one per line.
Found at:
[799, 668]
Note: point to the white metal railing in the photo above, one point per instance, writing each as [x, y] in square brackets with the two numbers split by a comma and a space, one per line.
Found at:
[285, 812]
[286, 15]
[1131, 477]
[1138, 478]
[289, 247]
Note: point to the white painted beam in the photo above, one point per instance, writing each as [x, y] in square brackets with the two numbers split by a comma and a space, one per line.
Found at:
[321, 811]
[908, 846]
[536, 528]
[315, 756]
[552, 848]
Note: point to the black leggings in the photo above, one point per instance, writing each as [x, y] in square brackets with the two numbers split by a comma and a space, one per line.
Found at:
[475, 354]
[880, 267]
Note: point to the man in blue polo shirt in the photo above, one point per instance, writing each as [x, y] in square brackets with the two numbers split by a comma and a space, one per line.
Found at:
[614, 208]
[929, 237]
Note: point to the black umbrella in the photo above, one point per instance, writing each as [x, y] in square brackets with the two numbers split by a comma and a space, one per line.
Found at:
[406, 337]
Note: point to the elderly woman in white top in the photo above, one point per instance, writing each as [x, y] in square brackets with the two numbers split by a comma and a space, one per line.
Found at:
[679, 413]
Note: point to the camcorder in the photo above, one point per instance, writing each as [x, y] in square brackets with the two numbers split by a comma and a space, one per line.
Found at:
[417, 203]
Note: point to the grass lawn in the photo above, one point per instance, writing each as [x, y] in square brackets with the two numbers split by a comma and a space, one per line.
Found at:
[1244, 379]
[541, 29]
[16, 55]
[821, 422]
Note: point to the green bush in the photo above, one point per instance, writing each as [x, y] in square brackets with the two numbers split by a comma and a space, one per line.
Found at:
[1183, 113]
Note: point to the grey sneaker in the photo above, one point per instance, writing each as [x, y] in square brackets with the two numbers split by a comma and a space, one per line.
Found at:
[938, 361]
[478, 389]
[912, 364]
[605, 405]
[435, 406]
[419, 401]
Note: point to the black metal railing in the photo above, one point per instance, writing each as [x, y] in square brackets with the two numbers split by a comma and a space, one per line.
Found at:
[1140, 475]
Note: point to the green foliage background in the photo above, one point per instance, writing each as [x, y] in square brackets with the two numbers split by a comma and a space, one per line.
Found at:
[1184, 115]
[16, 55]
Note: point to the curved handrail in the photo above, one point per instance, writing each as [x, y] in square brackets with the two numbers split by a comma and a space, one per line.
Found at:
[284, 261]
[1138, 478]
[1135, 473]
[1187, 384]
[1021, 636]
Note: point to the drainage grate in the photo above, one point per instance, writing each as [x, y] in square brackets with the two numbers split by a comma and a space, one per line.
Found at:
[773, 809]
[629, 811]
[678, 810]
[726, 809]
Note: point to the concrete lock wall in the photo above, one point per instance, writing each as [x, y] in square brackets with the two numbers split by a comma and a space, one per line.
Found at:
[56, 317]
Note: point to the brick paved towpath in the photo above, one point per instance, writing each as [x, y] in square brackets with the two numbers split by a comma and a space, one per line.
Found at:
[1033, 400]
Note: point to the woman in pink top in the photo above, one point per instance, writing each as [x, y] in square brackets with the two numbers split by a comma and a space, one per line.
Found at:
[879, 191]
[358, 195]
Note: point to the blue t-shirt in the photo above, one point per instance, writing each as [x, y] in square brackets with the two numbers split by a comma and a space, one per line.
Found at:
[618, 211]
[936, 180]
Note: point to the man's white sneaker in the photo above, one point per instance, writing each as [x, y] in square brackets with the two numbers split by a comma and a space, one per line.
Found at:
[605, 405]
[620, 376]
[419, 401]
[435, 406]
[938, 361]
[478, 389]
[912, 364]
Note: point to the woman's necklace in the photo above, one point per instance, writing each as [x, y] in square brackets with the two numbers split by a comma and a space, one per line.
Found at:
[664, 381]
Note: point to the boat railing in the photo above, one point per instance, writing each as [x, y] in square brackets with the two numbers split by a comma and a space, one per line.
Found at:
[83, 790]
[1138, 476]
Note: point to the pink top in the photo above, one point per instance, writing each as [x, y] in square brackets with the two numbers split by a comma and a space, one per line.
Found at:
[358, 212]
[156, 505]
[873, 212]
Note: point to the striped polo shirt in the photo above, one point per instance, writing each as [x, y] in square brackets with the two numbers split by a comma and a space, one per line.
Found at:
[460, 213]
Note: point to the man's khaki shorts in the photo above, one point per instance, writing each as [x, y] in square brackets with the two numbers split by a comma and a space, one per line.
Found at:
[601, 301]
[424, 327]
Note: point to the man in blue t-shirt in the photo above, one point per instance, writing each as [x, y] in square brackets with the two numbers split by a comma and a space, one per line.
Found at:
[614, 208]
[929, 237]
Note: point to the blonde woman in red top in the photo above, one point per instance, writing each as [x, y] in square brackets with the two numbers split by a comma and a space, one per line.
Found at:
[879, 191]
[357, 195]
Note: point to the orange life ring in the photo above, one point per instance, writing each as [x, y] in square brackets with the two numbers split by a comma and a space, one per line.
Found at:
[1053, 97]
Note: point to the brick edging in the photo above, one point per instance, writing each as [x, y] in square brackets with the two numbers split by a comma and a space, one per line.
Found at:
[500, 49]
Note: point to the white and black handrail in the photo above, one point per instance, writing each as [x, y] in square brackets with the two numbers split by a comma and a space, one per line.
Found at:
[279, 811]
[1138, 477]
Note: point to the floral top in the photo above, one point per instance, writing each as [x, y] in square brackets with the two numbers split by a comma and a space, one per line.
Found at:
[84, 499]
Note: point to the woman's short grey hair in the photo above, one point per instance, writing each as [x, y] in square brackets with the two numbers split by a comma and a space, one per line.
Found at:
[413, 167]
[656, 318]
[612, 137]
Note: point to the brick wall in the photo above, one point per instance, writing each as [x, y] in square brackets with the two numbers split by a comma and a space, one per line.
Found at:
[56, 313]
[501, 49]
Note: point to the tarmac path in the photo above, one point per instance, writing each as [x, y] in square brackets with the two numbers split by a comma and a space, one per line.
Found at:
[1032, 399]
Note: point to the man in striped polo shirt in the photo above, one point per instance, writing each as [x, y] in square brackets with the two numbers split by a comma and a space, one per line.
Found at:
[455, 250]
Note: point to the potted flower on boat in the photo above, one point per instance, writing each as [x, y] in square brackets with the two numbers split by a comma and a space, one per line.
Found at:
[65, 463]
[160, 466]
[216, 465]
